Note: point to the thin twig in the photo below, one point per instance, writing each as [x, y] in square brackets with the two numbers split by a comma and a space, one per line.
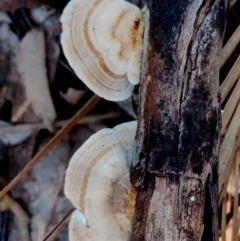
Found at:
[231, 78]
[53, 142]
[229, 147]
[230, 46]
[224, 186]
[230, 108]
[222, 192]
[59, 225]
[236, 200]
[57, 124]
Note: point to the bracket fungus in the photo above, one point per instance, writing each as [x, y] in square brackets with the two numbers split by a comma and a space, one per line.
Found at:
[102, 41]
[98, 184]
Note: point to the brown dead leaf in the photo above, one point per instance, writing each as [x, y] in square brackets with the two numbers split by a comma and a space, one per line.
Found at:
[49, 18]
[13, 138]
[32, 68]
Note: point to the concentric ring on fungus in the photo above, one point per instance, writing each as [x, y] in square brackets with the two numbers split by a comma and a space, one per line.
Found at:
[98, 184]
[102, 40]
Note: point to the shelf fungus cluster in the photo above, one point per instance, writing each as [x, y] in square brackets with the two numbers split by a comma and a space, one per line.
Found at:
[97, 183]
[102, 41]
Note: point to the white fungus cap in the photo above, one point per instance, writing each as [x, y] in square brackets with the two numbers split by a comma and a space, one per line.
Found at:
[98, 184]
[102, 41]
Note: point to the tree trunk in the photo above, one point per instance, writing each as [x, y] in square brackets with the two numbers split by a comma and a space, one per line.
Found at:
[175, 161]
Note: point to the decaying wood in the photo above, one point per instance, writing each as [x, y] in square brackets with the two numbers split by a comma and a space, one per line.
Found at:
[175, 164]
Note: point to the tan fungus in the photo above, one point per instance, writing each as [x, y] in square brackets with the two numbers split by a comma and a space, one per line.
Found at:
[102, 40]
[97, 182]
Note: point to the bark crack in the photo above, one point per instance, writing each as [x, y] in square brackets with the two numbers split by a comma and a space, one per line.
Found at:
[176, 143]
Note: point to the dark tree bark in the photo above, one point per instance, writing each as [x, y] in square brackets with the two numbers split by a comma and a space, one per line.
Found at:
[175, 161]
